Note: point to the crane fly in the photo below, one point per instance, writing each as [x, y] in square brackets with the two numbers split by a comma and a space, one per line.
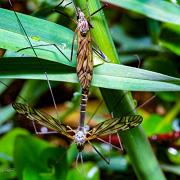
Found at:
[81, 135]
[84, 56]
[84, 67]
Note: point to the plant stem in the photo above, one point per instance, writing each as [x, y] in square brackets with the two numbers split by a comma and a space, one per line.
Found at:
[136, 144]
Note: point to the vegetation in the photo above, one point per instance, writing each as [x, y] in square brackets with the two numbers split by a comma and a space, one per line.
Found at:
[130, 32]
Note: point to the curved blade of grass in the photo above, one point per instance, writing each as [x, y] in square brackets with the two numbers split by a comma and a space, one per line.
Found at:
[170, 37]
[12, 38]
[155, 9]
[40, 32]
[112, 76]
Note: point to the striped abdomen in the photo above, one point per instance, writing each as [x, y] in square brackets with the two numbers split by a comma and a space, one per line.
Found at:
[84, 66]
[83, 104]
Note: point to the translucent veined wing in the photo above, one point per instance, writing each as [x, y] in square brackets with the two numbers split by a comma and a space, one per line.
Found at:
[113, 125]
[41, 118]
[84, 66]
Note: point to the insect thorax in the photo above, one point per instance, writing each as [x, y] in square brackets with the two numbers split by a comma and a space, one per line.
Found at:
[80, 137]
[83, 25]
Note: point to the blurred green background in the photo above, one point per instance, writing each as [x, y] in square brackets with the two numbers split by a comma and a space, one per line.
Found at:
[146, 34]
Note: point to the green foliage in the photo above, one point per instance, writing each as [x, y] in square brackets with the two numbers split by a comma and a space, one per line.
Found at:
[117, 76]
[152, 8]
[38, 159]
[7, 144]
[35, 158]
[106, 75]
[155, 41]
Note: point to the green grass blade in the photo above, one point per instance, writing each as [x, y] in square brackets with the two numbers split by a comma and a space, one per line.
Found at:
[39, 31]
[155, 9]
[107, 75]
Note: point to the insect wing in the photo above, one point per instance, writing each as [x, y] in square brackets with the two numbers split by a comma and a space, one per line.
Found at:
[113, 125]
[41, 118]
[84, 60]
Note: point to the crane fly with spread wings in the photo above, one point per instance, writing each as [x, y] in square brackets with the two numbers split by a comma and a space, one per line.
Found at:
[81, 134]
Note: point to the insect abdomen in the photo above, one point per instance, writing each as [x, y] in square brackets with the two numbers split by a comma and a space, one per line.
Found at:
[84, 99]
[84, 66]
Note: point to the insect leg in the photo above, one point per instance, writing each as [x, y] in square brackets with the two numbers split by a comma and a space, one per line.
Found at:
[97, 108]
[42, 132]
[77, 158]
[59, 4]
[109, 143]
[64, 14]
[110, 147]
[99, 153]
[89, 15]
[120, 144]
[71, 130]
[81, 157]
[104, 6]
[146, 102]
[29, 41]
[139, 60]
[101, 54]
[41, 45]
[72, 48]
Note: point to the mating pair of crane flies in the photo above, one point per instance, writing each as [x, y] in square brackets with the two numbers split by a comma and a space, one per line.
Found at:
[84, 69]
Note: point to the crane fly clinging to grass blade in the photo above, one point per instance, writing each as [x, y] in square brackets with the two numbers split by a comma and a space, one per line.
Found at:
[84, 57]
[81, 135]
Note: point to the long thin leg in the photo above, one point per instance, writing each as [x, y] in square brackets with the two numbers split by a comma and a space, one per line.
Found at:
[110, 147]
[101, 55]
[41, 45]
[139, 60]
[64, 14]
[99, 52]
[147, 101]
[39, 133]
[120, 100]
[72, 48]
[61, 3]
[98, 153]
[89, 15]
[28, 39]
[98, 10]
[70, 129]
[119, 139]
[68, 4]
[77, 158]
[82, 163]
[22, 27]
[109, 143]
[97, 108]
